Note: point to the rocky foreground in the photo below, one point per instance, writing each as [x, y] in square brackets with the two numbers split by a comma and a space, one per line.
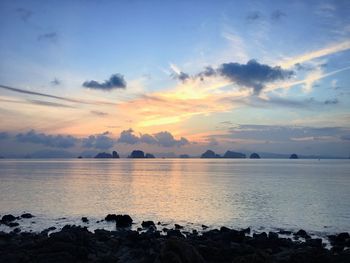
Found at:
[149, 244]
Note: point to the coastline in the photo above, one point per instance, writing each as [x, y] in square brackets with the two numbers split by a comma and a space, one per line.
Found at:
[153, 242]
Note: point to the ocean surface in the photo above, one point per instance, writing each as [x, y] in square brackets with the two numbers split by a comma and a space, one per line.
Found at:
[265, 194]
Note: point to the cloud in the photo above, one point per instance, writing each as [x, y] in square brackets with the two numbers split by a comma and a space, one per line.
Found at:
[331, 101]
[4, 135]
[99, 113]
[116, 81]
[89, 102]
[277, 15]
[279, 133]
[128, 137]
[55, 82]
[52, 37]
[253, 74]
[164, 139]
[24, 13]
[181, 76]
[253, 16]
[99, 141]
[57, 141]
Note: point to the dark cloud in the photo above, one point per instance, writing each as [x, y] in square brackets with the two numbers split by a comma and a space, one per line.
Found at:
[182, 76]
[4, 135]
[99, 141]
[207, 72]
[253, 16]
[57, 141]
[164, 139]
[116, 81]
[99, 113]
[277, 15]
[286, 133]
[331, 101]
[24, 13]
[253, 74]
[55, 82]
[52, 37]
[128, 137]
[56, 97]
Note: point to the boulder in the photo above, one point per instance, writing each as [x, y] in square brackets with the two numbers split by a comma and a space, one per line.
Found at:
[177, 226]
[147, 224]
[302, 233]
[8, 218]
[111, 217]
[85, 219]
[27, 215]
[123, 221]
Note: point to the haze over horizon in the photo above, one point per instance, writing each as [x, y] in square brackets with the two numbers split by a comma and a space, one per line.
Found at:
[175, 76]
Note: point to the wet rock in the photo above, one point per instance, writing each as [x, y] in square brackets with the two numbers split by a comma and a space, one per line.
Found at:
[285, 232]
[177, 226]
[204, 226]
[302, 233]
[147, 224]
[111, 217]
[8, 218]
[85, 219]
[123, 221]
[13, 224]
[273, 235]
[174, 233]
[314, 242]
[177, 250]
[27, 215]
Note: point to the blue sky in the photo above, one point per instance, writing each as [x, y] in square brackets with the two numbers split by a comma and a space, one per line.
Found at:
[297, 80]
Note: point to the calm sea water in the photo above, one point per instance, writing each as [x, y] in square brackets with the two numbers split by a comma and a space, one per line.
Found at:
[263, 194]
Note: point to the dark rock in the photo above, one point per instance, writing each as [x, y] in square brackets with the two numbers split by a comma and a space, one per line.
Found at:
[177, 226]
[137, 154]
[174, 233]
[85, 219]
[104, 155]
[314, 242]
[123, 221]
[16, 230]
[27, 215]
[342, 237]
[147, 224]
[302, 233]
[149, 155]
[261, 236]
[254, 156]
[177, 250]
[12, 224]
[210, 154]
[285, 232]
[273, 235]
[246, 230]
[293, 156]
[8, 218]
[111, 217]
[115, 154]
[231, 154]
[204, 226]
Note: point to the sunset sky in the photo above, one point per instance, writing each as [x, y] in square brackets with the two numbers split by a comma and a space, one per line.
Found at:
[175, 76]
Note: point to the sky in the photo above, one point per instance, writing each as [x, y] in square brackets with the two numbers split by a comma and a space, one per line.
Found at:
[174, 77]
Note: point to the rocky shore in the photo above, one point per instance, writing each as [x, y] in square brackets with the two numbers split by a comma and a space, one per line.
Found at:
[153, 243]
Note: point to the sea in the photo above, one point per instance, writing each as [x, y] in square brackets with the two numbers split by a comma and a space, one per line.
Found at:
[263, 194]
